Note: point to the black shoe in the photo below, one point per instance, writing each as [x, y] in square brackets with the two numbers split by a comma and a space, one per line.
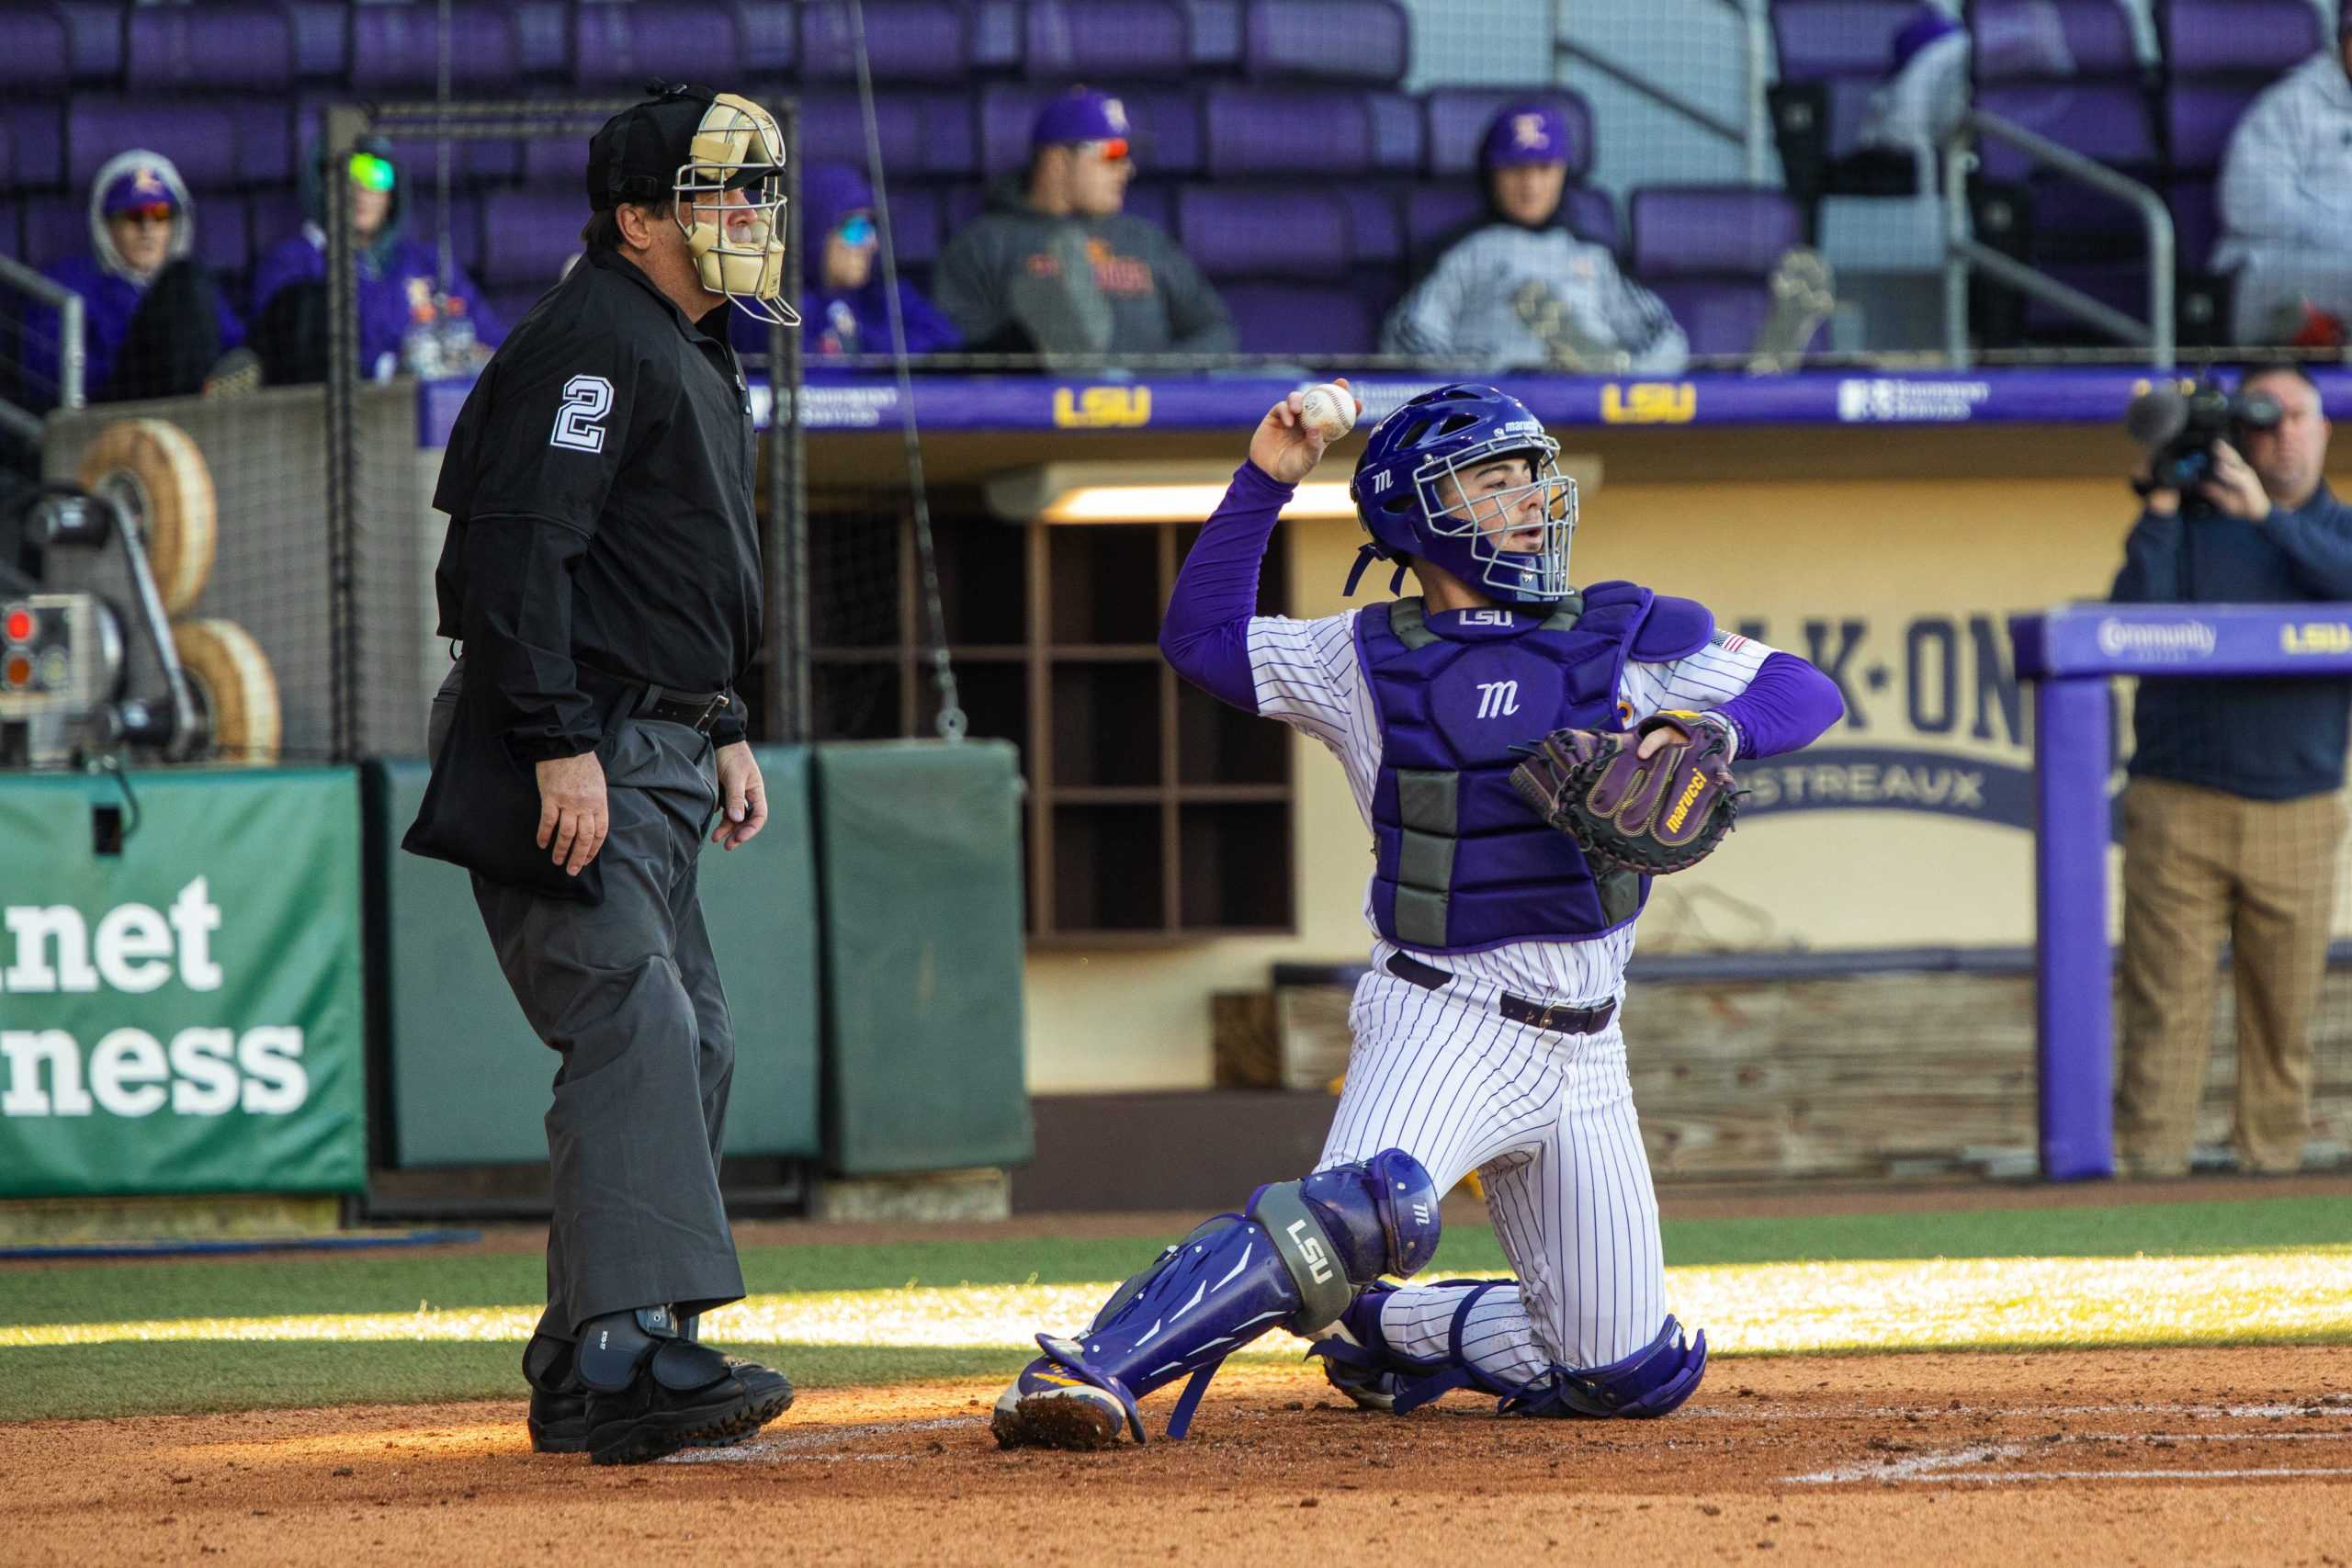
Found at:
[684, 1395]
[559, 1418]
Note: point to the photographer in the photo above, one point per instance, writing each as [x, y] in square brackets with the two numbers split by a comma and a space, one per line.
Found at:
[2230, 820]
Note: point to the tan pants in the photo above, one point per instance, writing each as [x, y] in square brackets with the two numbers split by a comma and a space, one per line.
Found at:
[2200, 866]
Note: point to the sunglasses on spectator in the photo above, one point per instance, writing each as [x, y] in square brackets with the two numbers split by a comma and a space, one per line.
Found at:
[371, 172]
[1112, 150]
[152, 213]
[857, 230]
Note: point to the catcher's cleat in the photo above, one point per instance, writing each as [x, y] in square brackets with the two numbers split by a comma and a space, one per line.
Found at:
[1355, 1355]
[1049, 1408]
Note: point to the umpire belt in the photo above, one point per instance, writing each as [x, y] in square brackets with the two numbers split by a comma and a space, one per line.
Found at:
[696, 710]
[1519, 1010]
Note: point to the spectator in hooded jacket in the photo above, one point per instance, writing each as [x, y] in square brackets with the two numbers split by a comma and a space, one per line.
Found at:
[2287, 204]
[1055, 266]
[398, 276]
[154, 324]
[1520, 291]
[843, 309]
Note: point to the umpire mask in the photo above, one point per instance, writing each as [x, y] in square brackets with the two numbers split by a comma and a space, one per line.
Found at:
[737, 247]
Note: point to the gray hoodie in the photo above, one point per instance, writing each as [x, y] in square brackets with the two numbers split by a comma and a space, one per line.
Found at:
[1017, 280]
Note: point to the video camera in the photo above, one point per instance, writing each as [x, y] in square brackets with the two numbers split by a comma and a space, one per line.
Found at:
[2178, 428]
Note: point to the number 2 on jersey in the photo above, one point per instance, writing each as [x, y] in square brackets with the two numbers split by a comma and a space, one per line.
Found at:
[586, 401]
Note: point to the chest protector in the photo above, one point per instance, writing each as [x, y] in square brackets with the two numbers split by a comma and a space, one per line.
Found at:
[1462, 863]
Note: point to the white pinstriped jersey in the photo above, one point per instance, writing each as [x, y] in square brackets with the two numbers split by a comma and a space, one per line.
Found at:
[1308, 675]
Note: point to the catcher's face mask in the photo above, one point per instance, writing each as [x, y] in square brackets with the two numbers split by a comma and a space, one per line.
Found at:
[1508, 499]
[730, 206]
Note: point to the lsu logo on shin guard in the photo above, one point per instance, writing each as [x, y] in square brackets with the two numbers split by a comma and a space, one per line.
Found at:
[1310, 1251]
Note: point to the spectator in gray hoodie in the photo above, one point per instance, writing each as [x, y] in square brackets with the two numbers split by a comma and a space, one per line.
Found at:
[1055, 267]
[1522, 292]
[2287, 204]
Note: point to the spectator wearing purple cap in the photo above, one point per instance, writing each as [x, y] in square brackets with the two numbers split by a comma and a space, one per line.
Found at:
[1518, 290]
[154, 324]
[2287, 203]
[843, 309]
[1055, 267]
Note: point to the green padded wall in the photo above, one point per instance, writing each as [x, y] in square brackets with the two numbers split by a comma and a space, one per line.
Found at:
[468, 1082]
[921, 843]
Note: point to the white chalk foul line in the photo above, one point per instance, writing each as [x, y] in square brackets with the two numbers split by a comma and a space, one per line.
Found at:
[789, 1444]
[1946, 1464]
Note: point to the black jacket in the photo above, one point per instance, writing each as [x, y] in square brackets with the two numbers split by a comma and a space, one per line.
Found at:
[2264, 740]
[598, 484]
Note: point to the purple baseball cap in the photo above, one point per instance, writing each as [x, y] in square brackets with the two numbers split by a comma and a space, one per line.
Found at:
[1526, 134]
[1080, 115]
[141, 186]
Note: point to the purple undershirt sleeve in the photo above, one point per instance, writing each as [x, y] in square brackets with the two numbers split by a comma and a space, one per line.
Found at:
[1205, 636]
[1786, 707]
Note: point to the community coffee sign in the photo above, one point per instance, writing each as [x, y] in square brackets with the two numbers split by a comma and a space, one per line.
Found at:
[184, 1016]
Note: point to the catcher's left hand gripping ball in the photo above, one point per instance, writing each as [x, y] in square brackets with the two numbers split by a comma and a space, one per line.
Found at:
[1655, 815]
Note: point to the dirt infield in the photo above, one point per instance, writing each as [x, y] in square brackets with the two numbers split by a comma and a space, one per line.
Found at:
[2095, 1457]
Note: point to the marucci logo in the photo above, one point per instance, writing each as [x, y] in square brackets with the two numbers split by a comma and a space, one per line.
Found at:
[2157, 640]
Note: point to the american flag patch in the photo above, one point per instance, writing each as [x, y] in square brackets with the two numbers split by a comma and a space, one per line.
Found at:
[1730, 642]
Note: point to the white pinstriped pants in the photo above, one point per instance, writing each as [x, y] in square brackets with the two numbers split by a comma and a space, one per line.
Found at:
[1548, 1122]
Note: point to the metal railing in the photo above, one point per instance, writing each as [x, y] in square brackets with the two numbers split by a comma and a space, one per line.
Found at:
[1963, 253]
[24, 280]
[1751, 132]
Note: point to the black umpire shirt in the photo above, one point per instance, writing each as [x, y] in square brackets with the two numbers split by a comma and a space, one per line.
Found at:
[598, 483]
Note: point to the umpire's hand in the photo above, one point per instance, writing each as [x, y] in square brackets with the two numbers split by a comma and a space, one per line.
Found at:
[572, 818]
[744, 795]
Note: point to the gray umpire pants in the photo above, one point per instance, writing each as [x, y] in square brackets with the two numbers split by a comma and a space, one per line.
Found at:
[627, 992]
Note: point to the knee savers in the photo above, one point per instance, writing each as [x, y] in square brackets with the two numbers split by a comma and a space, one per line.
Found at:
[1297, 1257]
[1340, 1229]
[1653, 1380]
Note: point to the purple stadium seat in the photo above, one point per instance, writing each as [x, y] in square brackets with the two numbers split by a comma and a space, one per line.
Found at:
[527, 234]
[1301, 319]
[1709, 250]
[951, 150]
[399, 47]
[1089, 39]
[94, 39]
[322, 39]
[200, 139]
[832, 130]
[7, 159]
[543, 35]
[1167, 122]
[241, 47]
[12, 232]
[480, 163]
[997, 34]
[224, 236]
[618, 45]
[1155, 204]
[465, 226]
[1374, 225]
[1255, 132]
[1332, 40]
[1399, 140]
[915, 230]
[32, 43]
[273, 216]
[1458, 117]
[2223, 53]
[56, 227]
[265, 153]
[771, 43]
[1268, 231]
[1592, 217]
[37, 133]
[1216, 36]
[906, 40]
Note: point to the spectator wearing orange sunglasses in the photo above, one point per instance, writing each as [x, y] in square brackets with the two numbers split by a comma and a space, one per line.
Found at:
[154, 324]
[1055, 266]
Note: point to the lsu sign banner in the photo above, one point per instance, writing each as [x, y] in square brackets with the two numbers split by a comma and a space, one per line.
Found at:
[184, 1016]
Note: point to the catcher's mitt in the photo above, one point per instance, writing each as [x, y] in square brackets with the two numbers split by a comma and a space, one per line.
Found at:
[1656, 815]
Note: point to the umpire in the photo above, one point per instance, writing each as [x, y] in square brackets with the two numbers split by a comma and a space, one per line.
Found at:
[602, 570]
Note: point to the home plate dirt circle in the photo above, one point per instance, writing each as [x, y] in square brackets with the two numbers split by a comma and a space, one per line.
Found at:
[2066, 1457]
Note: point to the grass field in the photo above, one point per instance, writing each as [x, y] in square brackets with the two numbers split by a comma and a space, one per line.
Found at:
[196, 1335]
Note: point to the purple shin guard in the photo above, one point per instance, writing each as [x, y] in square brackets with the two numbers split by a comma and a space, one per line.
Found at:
[1299, 1257]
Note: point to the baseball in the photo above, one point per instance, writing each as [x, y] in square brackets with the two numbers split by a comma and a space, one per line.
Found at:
[1328, 410]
